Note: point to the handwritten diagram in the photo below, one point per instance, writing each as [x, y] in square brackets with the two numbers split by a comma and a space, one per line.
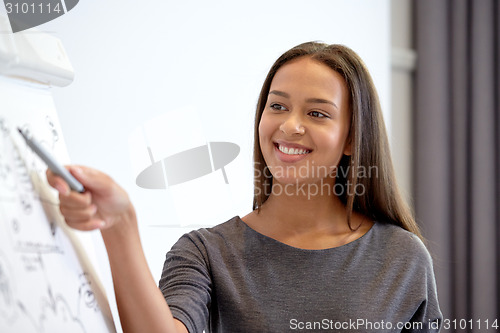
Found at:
[43, 286]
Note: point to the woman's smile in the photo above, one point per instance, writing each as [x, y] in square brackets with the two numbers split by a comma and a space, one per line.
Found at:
[290, 152]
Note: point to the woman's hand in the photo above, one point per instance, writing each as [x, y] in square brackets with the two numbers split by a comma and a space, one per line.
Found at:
[103, 205]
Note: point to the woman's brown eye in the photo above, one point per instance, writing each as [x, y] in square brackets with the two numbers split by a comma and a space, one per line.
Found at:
[277, 107]
[317, 114]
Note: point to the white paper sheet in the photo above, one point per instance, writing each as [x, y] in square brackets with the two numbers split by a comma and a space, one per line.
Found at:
[47, 283]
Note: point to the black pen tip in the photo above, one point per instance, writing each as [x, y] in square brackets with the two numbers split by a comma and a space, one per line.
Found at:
[22, 133]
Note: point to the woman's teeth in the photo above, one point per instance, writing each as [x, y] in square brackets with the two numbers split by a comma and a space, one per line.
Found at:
[292, 151]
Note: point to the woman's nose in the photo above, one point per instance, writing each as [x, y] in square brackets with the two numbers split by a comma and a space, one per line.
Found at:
[292, 125]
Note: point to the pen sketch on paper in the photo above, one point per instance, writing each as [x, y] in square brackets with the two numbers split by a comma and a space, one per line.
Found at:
[44, 287]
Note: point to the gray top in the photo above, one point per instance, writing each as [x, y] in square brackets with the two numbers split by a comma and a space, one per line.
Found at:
[230, 278]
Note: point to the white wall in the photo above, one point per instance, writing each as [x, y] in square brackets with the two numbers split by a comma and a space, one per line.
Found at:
[403, 61]
[198, 65]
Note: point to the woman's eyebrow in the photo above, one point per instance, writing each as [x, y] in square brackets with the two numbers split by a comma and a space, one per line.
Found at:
[321, 100]
[279, 93]
[309, 100]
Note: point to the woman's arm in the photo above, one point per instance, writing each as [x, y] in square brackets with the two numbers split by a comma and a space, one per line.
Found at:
[105, 205]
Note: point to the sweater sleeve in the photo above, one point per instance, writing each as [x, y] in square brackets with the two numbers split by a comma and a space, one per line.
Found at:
[186, 283]
[428, 316]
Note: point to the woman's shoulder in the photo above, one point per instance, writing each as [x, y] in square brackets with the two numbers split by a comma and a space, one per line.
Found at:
[228, 231]
[231, 227]
[396, 233]
[399, 244]
[218, 245]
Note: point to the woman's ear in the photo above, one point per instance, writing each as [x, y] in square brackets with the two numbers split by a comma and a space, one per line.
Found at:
[348, 146]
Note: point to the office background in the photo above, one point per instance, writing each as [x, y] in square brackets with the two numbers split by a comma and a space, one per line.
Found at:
[191, 73]
[457, 151]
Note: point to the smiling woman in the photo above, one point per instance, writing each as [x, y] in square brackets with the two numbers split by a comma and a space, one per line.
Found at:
[326, 240]
[347, 96]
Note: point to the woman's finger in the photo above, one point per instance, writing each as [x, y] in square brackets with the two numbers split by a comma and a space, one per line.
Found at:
[58, 183]
[79, 214]
[88, 225]
[76, 200]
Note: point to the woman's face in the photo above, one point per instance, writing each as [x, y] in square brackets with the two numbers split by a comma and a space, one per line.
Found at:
[305, 124]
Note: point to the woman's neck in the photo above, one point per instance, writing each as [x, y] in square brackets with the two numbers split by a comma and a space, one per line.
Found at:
[299, 211]
[306, 218]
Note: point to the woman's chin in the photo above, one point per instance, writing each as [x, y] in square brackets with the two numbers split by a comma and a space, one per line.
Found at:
[293, 181]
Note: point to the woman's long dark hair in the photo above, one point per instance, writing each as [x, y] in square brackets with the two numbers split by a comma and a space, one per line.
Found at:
[381, 199]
